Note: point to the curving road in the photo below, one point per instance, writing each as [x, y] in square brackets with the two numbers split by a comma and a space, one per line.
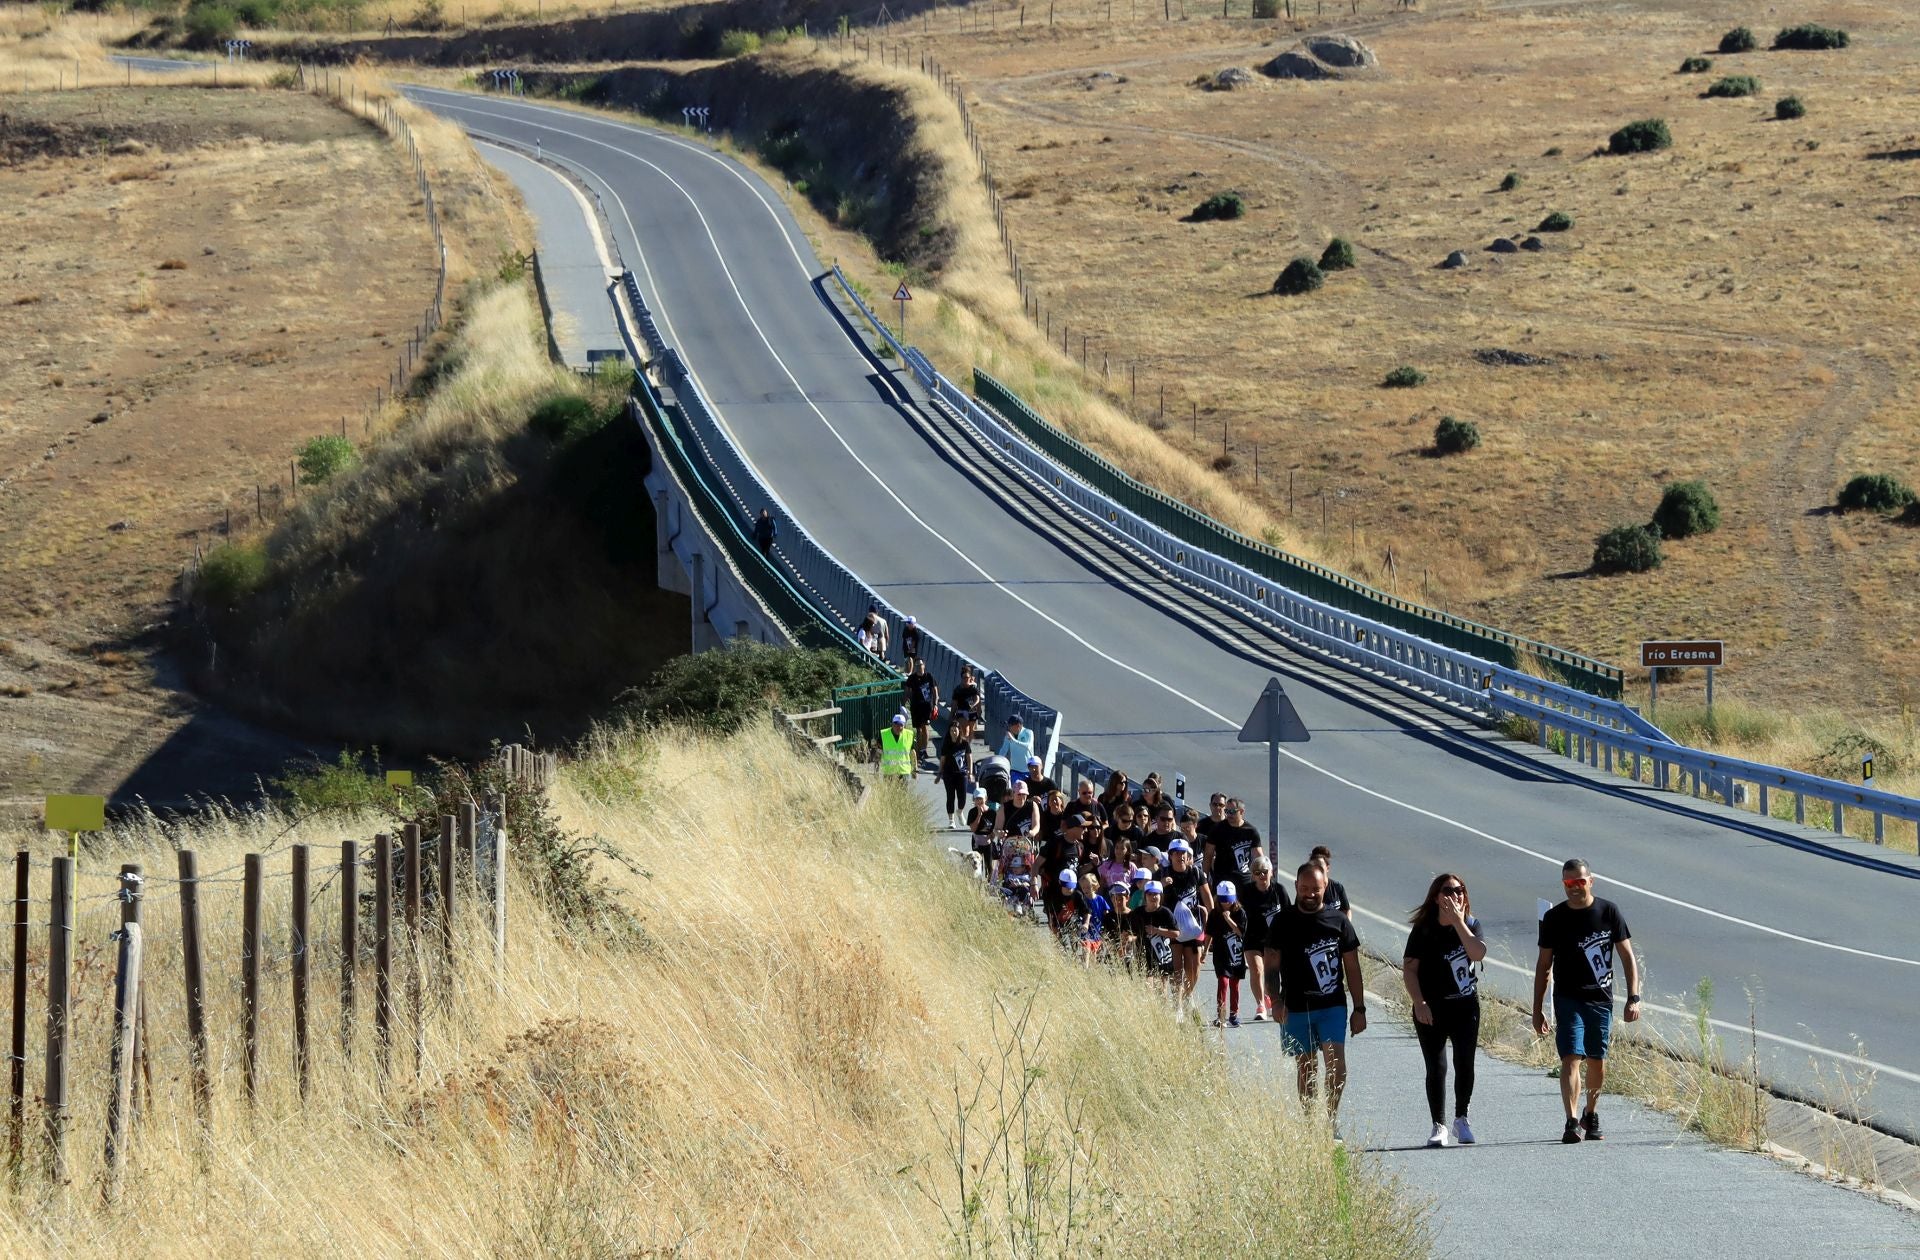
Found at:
[1829, 949]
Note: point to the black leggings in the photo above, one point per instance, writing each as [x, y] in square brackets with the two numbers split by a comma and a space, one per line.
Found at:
[956, 792]
[1457, 1019]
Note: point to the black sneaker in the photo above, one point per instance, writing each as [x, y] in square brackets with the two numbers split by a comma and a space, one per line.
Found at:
[1590, 1123]
[1572, 1135]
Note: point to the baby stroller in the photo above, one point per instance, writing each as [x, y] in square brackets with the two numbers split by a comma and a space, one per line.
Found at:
[994, 775]
[1016, 881]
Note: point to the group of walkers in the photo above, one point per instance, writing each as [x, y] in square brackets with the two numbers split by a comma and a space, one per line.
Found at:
[1136, 878]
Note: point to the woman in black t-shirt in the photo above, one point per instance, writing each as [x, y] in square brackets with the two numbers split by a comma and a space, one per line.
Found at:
[1443, 951]
[1263, 899]
[1116, 793]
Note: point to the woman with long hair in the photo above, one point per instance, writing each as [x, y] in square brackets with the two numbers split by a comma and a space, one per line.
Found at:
[1116, 794]
[1438, 968]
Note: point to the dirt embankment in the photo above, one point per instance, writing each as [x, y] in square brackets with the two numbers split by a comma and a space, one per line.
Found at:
[849, 146]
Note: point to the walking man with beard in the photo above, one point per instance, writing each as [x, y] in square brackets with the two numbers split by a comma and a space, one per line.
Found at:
[1319, 967]
[1578, 941]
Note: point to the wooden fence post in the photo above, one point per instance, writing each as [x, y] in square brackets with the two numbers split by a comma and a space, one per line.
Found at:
[449, 830]
[415, 956]
[349, 938]
[133, 910]
[17, 1047]
[470, 843]
[300, 962]
[499, 891]
[250, 944]
[59, 1015]
[383, 949]
[196, 991]
[126, 1031]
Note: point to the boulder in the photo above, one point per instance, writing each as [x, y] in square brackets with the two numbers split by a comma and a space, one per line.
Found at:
[1230, 79]
[1533, 243]
[1343, 51]
[1504, 246]
[1454, 261]
[1297, 64]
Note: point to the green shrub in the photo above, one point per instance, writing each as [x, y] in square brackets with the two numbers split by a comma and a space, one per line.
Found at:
[1302, 275]
[1266, 9]
[1455, 437]
[1627, 549]
[1842, 756]
[1222, 205]
[567, 417]
[1558, 221]
[1337, 256]
[1695, 65]
[1875, 492]
[1404, 377]
[1738, 40]
[1789, 107]
[1810, 37]
[1734, 85]
[1645, 136]
[739, 44]
[1511, 182]
[721, 690]
[349, 784]
[322, 457]
[231, 572]
[209, 25]
[1687, 508]
[256, 13]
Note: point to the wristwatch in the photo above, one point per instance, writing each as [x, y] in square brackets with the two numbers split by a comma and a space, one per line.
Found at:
[1632, 998]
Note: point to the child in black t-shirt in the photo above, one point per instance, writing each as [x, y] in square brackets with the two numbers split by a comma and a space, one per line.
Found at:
[1227, 930]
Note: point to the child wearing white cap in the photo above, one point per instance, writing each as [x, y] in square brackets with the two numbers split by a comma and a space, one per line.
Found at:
[1154, 930]
[1227, 929]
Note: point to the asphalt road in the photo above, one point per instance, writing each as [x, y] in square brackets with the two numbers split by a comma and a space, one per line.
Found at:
[1829, 951]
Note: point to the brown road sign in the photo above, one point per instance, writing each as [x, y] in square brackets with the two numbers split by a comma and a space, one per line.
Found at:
[1683, 652]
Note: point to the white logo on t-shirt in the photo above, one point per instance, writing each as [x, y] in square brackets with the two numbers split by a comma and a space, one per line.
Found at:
[1324, 958]
[1599, 951]
[1462, 971]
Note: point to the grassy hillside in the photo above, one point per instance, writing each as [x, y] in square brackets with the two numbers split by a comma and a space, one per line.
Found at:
[782, 1061]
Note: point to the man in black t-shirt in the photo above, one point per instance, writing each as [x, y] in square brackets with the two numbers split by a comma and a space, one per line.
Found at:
[1579, 939]
[922, 694]
[1319, 967]
[966, 697]
[1231, 844]
[1336, 898]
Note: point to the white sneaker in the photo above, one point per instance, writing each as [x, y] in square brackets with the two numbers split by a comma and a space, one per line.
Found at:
[1438, 1138]
[1462, 1131]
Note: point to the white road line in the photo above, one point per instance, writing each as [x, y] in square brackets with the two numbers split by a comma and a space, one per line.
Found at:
[1227, 722]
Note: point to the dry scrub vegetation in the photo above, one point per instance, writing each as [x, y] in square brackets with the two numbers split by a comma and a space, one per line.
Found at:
[771, 1067]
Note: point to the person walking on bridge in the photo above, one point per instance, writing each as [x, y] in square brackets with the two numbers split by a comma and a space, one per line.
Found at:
[1319, 967]
[1579, 940]
[910, 643]
[1437, 967]
[1017, 747]
[922, 694]
[764, 532]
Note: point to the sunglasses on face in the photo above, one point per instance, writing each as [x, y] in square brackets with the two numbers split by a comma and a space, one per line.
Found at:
[1452, 890]
[1576, 883]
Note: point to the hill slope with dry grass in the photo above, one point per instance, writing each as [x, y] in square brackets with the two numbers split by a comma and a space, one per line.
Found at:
[778, 1063]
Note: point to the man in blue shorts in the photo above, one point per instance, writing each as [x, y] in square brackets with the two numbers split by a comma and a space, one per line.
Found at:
[1578, 941]
[1319, 967]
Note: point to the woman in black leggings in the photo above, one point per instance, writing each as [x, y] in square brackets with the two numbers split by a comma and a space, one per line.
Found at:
[1438, 968]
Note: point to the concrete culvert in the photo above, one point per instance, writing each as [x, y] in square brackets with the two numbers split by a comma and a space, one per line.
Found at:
[1456, 260]
[1504, 246]
[1343, 51]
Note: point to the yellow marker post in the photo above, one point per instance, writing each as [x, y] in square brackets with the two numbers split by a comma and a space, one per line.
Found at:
[398, 779]
[73, 815]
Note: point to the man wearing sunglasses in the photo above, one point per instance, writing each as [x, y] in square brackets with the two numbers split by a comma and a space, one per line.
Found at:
[1231, 844]
[1578, 941]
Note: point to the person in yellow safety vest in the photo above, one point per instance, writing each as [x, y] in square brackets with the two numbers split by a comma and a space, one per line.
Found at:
[896, 750]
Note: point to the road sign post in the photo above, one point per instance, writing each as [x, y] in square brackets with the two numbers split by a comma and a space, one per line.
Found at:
[1273, 722]
[903, 296]
[1659, 654]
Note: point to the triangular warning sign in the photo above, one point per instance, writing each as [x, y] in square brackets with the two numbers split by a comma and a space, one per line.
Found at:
[901, 295]
[1273, 719]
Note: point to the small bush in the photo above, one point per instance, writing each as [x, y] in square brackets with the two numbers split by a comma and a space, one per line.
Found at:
[1734, 85]
[1266, 9]
[1455, 437]
[1558, 221]
[1695, 65]
[322, 457]
[1511, 182]
[1810, 37]
[209, 25]
[739, 44]
[349, 784]
[1687, 508]
[1842, 757]
[1222, 205]
[1302, 275]
[1789, 107]
[722, 690]
[1337, 256]
[1404, 377]
[566, 417]
[1738, 40]
[1627, 549]
[1552, 152]
[1875, 492]
[1645, 136]
[1223, 462]
[256, 13]
[231, 572]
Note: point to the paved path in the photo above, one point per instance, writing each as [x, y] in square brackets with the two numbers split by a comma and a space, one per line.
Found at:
[574, 270]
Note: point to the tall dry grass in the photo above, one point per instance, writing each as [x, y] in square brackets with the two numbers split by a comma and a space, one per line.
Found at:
[773, 1070]
[44, 49]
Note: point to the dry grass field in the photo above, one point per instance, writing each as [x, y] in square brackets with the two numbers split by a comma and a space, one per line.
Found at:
[183, 277]
[1733, 309]
[777, 1063]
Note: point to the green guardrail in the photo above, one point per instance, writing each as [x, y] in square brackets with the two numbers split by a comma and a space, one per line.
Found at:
[804, 624]
[1312, 580]
[866, 709]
